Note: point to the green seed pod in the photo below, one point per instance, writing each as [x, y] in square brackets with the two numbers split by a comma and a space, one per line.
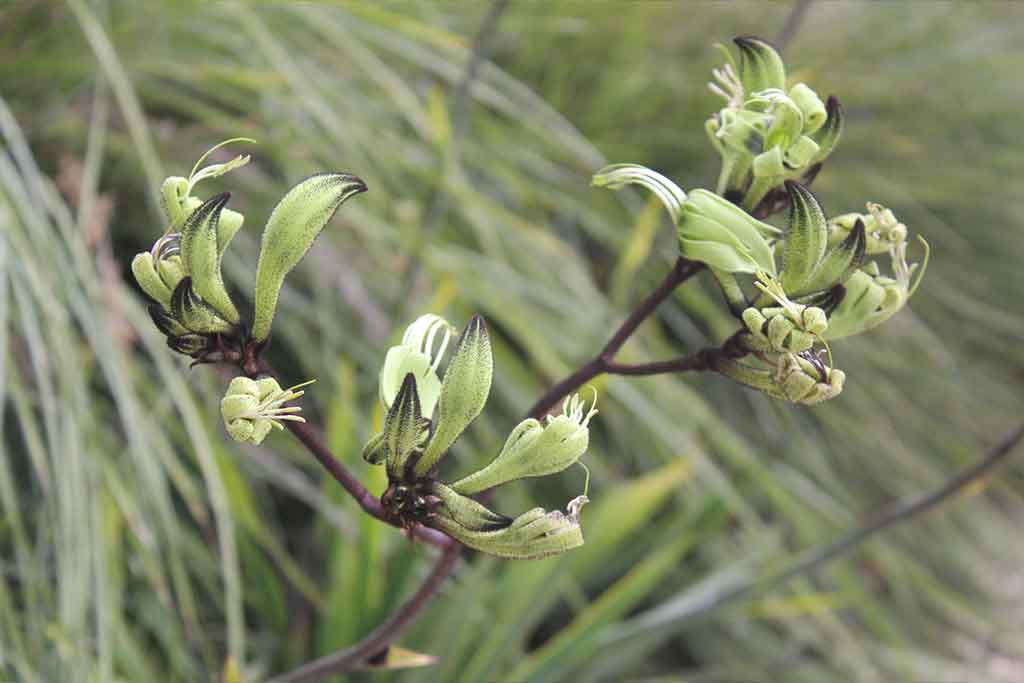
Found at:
[770, 164]
[227, 227]
[795, 378]
[801, 153]
[814, 320]
[464, 391]
[293, 226]
[173, 193]
[882, 229]
[171, 270]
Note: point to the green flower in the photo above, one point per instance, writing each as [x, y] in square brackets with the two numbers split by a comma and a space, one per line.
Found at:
[710, 229]
[802, 378]
[181, 273]
[427, 411]
[251, 408]
[766, 134]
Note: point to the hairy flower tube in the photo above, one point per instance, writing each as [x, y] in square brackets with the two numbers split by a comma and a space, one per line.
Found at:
[765, 133]
[181, 273]
[427, 411]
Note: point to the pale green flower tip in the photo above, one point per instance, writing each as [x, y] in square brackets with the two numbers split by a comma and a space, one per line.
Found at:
[421, 351]
[761, 66]
[810, 105]
[617, 176]
[422, 334]
[801, 153]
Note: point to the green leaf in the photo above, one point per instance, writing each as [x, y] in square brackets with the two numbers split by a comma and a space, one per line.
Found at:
[293, 226]
[201, 255]
[464, 391]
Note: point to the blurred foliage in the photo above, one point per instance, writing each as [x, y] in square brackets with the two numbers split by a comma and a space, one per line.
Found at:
[138, 543]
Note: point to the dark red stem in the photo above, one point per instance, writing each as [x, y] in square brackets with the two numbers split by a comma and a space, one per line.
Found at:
[603, 362]
[382, 636]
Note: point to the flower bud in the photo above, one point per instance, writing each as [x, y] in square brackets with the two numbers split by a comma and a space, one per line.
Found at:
[405, 432]
[532, 535]
[799, 378]
[464, 391]
[882, 230]
[810, 105]
[202, 258]
[293, 226]
[417, 355]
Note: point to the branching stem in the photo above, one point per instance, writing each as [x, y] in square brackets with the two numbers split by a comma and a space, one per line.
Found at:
[604, 361]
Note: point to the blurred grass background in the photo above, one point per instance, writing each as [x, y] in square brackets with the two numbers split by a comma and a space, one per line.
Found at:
[138, 543]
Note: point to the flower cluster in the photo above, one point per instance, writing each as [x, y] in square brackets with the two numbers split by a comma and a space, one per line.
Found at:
[813, 281]
[428, 411]
[181, 273]
[765, 133]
